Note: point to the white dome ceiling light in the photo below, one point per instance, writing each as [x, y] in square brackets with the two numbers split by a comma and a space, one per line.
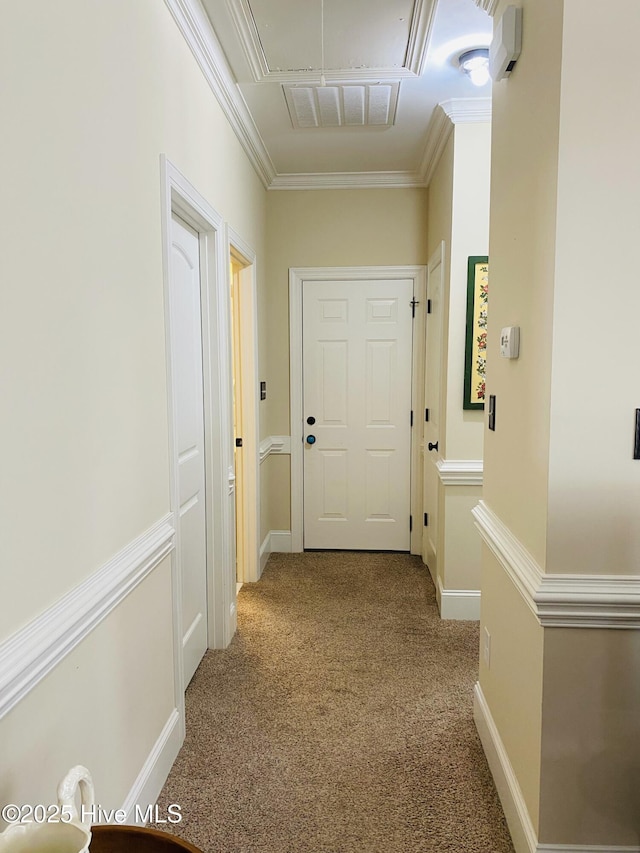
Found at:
[475, 63]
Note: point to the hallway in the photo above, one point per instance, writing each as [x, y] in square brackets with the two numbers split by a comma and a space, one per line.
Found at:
[339, 719]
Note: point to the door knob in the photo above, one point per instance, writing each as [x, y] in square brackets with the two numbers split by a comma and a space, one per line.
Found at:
[311, 439]
[311, 421]
[433, 446]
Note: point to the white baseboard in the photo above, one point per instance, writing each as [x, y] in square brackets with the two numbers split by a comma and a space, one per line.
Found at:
[583, 848]
[458, 603]
[515, 810]
[146, 789]
[265, 553]
[281, 541]
[275, 542]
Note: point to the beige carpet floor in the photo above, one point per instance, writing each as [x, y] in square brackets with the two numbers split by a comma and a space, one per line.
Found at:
[339, 720]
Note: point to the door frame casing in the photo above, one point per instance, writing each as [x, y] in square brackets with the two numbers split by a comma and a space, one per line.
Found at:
[181, 197]
[236, 247]
[297, 276]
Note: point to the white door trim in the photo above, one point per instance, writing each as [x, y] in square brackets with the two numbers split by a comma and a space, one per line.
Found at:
[297, 275]
[181, 197]
[249, 390]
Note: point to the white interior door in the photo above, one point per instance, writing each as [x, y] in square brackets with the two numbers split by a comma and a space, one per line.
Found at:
[433, 403]
[357, 364]
[186, 354]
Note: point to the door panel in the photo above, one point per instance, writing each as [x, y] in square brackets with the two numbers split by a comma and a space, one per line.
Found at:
[186, 353]
[433, 395]
[357, 363]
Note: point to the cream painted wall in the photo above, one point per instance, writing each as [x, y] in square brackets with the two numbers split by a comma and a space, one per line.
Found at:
[459, 216]
[591, 706]
[469, 236]
[461, 566]
[441, 203]
[525, 132]
[525, 138]
[594, 485]
[512, 684]
[99, 91]
[104, 89]
[103, 706]
[559, 469]
[591, 738]
[373, 227]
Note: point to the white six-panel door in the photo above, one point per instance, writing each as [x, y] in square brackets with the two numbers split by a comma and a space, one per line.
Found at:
[186, 349]
[357, 363]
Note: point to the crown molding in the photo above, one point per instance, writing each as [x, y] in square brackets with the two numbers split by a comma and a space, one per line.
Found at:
[488, 6]
[460, 472]
[249, 38]
[561, 600]
[346, 180]
[438, 133]
[445, 116]
[196, 28]
[420, 35]
[416, 57]
[467, 110]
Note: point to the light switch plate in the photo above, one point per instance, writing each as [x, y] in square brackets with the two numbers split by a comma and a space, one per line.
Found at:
[510, 342]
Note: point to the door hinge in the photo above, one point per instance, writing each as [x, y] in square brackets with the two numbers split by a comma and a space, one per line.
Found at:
[426, 415]
[238, 442]
[413, 304]
[411, 417]
[426, 519]
[410, 523]
[428, 306]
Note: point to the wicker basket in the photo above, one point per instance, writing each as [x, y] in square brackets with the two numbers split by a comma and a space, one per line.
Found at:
[116, 838]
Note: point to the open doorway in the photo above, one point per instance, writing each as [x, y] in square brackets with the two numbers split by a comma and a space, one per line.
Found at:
[238, 431]
[243, 324]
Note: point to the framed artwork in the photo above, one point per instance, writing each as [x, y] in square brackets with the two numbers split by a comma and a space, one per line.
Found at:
[476, 342]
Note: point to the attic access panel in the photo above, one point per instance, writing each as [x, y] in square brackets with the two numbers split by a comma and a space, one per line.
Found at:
[282, 38]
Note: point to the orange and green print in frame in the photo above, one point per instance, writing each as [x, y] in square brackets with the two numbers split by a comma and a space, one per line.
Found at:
[476, 349]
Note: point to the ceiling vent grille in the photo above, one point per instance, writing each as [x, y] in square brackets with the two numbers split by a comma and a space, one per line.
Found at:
[342, 105]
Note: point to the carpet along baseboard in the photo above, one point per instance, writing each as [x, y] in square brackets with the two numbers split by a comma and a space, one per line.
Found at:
[139, 805]
[458, 603]
[275, 542]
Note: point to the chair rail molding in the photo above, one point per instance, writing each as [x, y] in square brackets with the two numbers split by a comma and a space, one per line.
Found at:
[275, 445]
[561, 600]
[460, 472]
[32, 652]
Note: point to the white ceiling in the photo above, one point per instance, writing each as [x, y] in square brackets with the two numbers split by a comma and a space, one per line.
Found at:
[275, 46]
